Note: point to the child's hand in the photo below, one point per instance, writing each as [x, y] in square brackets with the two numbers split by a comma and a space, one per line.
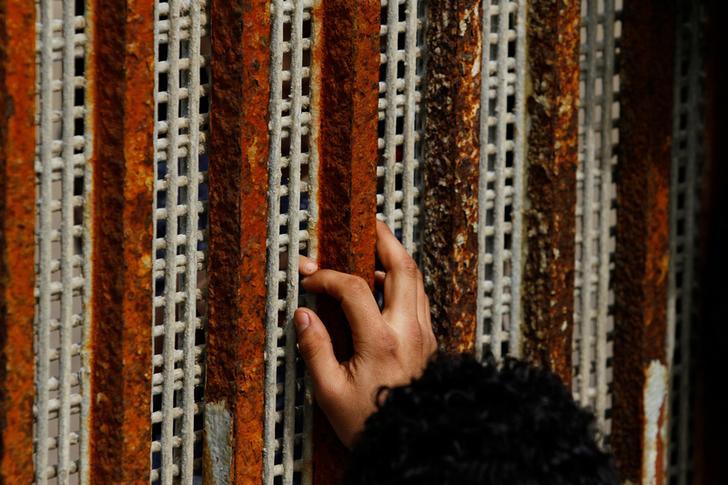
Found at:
[391, 347]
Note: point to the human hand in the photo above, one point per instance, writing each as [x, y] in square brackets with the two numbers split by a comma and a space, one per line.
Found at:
[391, 347]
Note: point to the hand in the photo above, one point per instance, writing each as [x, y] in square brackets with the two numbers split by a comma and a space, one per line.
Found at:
[391, 347]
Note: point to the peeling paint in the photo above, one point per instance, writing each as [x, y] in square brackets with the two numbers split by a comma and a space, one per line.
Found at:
[655, 394]
[218, 443]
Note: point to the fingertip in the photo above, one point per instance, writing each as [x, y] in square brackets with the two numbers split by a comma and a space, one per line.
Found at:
[301, 320]
[306, 265]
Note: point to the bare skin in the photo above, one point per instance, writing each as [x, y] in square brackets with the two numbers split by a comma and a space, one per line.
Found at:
[391, 347]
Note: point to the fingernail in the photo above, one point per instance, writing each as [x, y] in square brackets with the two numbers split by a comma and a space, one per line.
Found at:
[301, 320]
[310, 267]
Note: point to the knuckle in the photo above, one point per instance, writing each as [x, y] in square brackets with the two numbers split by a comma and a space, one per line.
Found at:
[408, 266]
[357, 285]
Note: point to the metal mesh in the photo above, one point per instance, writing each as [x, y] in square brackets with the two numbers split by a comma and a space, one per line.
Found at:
[399, 180]
[61, 324]
[687, 163]
[180, 239]
[595, 207]
[292, 172]
[501, 171]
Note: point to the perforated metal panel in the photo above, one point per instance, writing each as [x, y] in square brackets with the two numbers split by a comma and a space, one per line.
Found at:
[595, 207]
[292, 216]
[687, 164]
[180, 234]
[501, 176]
[399, 179]
[61, 324]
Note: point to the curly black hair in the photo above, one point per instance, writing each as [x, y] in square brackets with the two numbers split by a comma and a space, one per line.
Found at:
[464, 422]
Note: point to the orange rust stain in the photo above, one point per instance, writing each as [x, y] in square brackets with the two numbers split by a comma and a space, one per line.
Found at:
[238, 226]
[345, 101]
[17, 222]
[548, 292]
[452, 100]
[121, 93]
[642, 250]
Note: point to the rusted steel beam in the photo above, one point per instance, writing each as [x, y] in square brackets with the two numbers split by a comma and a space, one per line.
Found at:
[17, 222]
[121, 90]
[348, 53]
[548, 290]
[238, 179]
[451, 170]
[642, 252]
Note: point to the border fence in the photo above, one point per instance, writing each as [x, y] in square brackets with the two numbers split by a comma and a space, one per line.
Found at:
[164, 163]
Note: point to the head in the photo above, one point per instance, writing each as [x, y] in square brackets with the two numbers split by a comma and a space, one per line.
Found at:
[464, 422]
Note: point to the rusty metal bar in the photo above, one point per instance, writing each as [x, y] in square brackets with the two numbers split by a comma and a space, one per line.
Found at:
[642, 249]
[686, 189]
[17, 223]
[347, 146]
[234, 388]
[121, 91]
[451, 172]
[548, 289]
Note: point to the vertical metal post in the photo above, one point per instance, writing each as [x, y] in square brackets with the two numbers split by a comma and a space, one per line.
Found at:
[548, 288]
[347, 145]
[642, 247]
[452, 152]
[234, 392]
[17, 223]
[121, 91]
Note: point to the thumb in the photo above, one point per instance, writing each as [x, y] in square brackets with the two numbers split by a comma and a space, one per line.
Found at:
[314, 344]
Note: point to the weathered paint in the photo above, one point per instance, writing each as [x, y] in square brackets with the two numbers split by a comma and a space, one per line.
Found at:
[17, 221]
[238, 176]
[121, 94]
[344, 106]
[218, 443]
[642, 249]
[653, 431]
[548, 288]
[451, 170]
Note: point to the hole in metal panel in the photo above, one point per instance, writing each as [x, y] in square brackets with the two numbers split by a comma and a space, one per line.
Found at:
[501, 170]
[292, 213]
[62, 180]
[595, 209]
[180, 240]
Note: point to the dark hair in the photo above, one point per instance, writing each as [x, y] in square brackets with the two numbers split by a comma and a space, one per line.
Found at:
[464, 422]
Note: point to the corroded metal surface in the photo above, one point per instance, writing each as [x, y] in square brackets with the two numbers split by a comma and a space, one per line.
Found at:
[121, 91]
[238, 216]
[17, 216]
[642, 251]
[452, 100]
[548, 289]
[347, 143]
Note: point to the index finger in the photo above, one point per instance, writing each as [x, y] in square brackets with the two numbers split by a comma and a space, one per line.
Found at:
[400, 284]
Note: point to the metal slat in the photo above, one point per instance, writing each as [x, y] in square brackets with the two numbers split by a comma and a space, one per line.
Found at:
[596, 218]
[500, 185]
[179, 208]
[290, 194]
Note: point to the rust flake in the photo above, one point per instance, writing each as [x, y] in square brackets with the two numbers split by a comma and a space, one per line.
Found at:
[451, 171]
[17, 245]
[238, 175]
[548, 290]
